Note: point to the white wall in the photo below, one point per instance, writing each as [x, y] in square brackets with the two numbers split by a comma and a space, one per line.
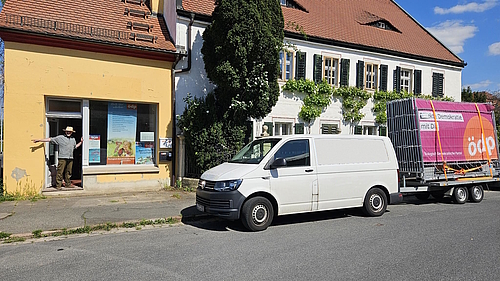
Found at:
[289, 104]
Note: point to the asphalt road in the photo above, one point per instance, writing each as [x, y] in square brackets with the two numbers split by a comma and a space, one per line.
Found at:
[412, 241]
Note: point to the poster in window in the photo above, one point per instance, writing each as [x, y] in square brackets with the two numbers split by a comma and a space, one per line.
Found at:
[165, 142]
[144, 152]
[94, 148]
[122, 126]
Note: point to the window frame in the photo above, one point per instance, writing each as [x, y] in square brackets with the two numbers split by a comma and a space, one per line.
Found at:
[284, 55]
[308, 153]
[374, 76]
[408, 88]
[335, 65]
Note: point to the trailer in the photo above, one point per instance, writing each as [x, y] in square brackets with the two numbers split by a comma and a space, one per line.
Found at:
[444, 148]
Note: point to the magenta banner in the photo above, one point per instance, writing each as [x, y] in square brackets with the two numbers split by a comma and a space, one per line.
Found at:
[459, 130]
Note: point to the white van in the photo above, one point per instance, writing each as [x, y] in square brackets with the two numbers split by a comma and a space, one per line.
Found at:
[301, 173]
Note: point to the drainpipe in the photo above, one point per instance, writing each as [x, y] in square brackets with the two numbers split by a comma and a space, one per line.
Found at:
[174, 117]
[188, 68]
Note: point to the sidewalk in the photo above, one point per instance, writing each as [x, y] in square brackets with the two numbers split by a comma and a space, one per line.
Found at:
[65, 210]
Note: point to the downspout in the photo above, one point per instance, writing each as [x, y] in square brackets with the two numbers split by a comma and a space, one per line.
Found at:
[174, 116]
[188, 45]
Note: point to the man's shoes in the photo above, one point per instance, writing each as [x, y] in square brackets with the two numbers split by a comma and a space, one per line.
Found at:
[58, 188]
[71, 186]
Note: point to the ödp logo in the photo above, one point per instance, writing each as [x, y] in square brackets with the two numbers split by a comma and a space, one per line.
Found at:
[474, 148]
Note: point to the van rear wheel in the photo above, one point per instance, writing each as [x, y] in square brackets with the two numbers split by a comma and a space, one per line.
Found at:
[257, 214]
[375, 202]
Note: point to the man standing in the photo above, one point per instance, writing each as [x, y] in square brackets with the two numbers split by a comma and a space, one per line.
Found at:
[67, 144]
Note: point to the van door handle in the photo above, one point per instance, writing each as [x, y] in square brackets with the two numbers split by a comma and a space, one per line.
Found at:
[309, 170]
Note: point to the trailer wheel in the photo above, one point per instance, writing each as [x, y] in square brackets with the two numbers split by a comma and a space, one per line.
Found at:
[476, 193]
[375, 202]
[460, 194]
[422, 196]
[257, 214]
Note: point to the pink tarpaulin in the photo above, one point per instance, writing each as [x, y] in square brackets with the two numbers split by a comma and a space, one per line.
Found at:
[459, 130]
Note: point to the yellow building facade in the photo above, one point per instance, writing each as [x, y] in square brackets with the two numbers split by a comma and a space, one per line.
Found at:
[117, 97]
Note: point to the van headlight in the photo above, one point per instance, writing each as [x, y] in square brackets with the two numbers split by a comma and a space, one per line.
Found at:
[227, 185]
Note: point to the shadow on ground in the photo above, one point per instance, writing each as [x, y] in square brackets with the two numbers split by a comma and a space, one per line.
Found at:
[218, 224]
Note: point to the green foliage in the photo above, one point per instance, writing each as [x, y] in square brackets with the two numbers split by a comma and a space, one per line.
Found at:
[241, 55]
[211, 139]
[353, 100]
[381, 98]
[469, 96]
[317, 99]
[37, 233]
[4, 235]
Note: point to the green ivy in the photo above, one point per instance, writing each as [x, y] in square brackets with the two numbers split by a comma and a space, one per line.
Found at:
[381, 98]
[319, 96]
[353, 101]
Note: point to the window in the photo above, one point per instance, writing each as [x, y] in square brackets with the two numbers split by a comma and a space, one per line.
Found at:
[295, 152]
[371, 76]
[330, 70]
[122, 133]
[437, 84]
[365, 130]
[329, 129]
[253, 152]
[405, 80]
[281, 129]
[283, 2]
[286, 65]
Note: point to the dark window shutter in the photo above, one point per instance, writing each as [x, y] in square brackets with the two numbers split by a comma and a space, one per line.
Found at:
[397, 79]
[437, 84]
[383, 77]
[325, 129]
[418, 82]
[358, 130]
[300, 66]
[344, 72]
[382, 131]
[360, 72]
[299, 128]
[318, 69]
[270, 129]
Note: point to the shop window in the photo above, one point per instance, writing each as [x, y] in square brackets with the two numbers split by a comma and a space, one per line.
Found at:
[122, 133]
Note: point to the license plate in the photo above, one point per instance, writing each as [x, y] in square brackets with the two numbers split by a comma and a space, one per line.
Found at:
[200, 208]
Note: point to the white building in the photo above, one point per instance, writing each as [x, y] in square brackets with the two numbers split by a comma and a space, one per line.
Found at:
[371, 44]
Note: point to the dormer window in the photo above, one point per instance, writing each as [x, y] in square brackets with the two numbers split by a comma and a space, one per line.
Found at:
[292, 4]
[381, 24]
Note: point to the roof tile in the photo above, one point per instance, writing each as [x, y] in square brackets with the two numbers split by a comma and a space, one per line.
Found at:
[348, 21]
[105, 21]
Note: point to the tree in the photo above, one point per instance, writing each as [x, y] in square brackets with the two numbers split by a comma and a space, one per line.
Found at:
[241, 54]
[469, 96]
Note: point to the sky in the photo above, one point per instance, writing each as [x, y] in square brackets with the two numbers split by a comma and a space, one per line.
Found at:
[471, 29]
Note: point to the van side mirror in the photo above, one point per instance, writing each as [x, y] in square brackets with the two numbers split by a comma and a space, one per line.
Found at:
[278, 163]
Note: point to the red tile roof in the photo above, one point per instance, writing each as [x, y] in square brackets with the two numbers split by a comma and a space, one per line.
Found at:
[348, 21]
[102, 21]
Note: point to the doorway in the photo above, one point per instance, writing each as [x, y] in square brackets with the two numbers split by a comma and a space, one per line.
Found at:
[55, 128]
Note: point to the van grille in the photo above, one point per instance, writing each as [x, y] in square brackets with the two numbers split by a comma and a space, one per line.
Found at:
[213, 203]
[209, 185]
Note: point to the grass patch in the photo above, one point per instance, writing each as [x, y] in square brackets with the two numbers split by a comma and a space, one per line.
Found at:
[88, 229]
[176, 195]
[37, 233]
[14, 239]
[114, 201]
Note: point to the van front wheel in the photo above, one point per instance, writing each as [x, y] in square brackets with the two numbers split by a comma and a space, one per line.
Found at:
[375, 202]
[257, 214]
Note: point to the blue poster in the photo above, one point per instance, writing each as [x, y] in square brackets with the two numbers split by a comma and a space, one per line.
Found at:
[144, 152]
[94, 148]
[122, 126]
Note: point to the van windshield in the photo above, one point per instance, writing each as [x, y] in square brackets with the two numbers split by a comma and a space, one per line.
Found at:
[255, 151]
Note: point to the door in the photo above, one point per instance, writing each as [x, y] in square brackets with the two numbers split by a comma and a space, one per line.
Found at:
[295, 183]
[55, 128]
